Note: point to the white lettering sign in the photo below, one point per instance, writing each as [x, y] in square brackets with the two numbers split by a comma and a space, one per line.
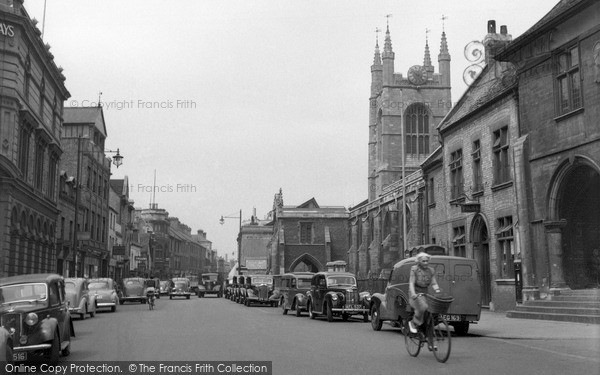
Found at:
[6, 30]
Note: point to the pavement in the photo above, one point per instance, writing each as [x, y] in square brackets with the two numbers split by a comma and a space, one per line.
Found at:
[497, 325]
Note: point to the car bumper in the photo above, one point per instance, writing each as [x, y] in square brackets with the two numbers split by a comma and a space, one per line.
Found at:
[350, 311]
[75, 310]
[179, 294]
[105, 304]
[32, 348]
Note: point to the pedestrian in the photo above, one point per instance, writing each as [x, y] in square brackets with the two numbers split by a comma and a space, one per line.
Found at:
[421, 278]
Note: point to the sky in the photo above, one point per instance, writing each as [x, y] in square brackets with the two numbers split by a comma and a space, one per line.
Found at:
[230, 101]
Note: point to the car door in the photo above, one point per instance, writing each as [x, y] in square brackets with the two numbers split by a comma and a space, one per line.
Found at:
[58, 304]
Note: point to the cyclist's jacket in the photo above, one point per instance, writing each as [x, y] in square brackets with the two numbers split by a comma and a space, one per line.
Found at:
[423, 278]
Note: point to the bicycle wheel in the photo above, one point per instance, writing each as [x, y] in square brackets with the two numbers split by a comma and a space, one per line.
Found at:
[412, 341]
[442, 340]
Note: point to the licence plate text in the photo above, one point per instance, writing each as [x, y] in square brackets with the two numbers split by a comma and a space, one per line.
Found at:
[20, 356]
[353, 307]
[451, 317]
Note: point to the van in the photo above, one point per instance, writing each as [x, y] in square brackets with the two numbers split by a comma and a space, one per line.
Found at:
[456, 276]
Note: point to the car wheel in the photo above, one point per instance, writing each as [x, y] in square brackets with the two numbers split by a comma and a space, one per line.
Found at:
[329, 312]
[187, 297]
[82, 315]
[92, 313]
[9, 352]
[282, 304]
[67, 350]
[113, 308]
[376, 322]
[345, 317]
[311, 313]
[170, 297]
[247, 303]
[54, 349]
[298, 310]
[121, 301]
[461, 328]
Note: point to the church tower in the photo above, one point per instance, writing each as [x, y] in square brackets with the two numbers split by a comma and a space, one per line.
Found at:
[404, 112]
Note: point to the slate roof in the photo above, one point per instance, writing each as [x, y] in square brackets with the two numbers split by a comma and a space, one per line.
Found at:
[494, 81]
[564, 8]
[85, 115]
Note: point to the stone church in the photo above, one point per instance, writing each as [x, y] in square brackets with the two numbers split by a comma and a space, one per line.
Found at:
[404, 111]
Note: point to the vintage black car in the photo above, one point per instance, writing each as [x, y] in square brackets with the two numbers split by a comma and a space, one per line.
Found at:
[456, 276]
[336, 294]
[82, 301]
[34, 310]
[293, 291]
[180, 288]
[259, 289]
[133, 290]
[211, 284]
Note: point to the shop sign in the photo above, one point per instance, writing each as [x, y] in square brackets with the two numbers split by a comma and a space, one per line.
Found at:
[7, 30]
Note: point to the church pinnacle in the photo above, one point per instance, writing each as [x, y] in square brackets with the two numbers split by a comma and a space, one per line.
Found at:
[427, 58]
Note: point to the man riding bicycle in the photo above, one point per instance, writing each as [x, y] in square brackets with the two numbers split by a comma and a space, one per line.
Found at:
[421, 278]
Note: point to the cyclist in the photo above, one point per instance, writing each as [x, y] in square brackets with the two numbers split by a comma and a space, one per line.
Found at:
[421, 278]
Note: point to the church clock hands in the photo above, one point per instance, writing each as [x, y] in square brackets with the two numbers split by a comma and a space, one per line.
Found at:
[417, 75]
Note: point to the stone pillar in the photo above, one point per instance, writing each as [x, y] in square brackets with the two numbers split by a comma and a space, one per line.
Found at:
[353, 251]
[555, 255]
[363, 250]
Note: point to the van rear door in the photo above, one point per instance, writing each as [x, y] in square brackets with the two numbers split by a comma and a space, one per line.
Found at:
[465, 286]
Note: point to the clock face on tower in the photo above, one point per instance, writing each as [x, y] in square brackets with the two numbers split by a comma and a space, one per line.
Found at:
[417, 75]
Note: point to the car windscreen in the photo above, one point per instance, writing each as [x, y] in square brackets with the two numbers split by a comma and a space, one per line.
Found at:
[23, 292]
[262, 280]
[180, 284]
[303, 283]
[132, 283]
[341, 280]
[99, 285]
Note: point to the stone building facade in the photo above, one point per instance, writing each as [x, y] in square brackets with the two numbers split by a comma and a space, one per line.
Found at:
[558, 65]
[120, 228]
[306, 237]
[32, 92]
[255, 237]
[403, 115]
[472, 181]
[83, 138]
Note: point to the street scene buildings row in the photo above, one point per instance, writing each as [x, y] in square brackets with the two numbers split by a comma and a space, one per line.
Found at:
[508, 175]
[59, 210]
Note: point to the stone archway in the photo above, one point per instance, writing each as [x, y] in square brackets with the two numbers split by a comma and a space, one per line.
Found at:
[305, 263]
[481, 253]
[574, 202]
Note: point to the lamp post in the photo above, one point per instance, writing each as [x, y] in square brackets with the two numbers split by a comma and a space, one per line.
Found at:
[117, 161]
[222, 221]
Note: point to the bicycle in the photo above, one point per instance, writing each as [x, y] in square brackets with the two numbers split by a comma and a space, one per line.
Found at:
[435, 331]
[150, 301]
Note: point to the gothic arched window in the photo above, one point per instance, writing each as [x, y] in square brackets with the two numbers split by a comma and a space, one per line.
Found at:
[417, 130]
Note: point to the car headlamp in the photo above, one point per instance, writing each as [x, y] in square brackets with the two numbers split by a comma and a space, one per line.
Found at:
[334, 297]
[31, 319]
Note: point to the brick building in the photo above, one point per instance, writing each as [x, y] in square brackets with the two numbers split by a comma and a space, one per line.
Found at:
[83, 138]
[558, 61]
[32, 92]
[403, 115]
[306, 237]
[471, 180]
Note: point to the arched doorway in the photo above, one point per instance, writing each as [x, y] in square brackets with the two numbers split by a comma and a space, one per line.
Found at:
[481, 253]
[577, 200]
[305, 263]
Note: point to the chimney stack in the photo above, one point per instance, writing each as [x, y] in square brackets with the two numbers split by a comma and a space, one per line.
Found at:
[494, 42]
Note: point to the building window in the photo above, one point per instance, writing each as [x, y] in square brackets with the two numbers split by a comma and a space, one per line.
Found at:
[431, 191]
[477, 174]
[89, 177]
[24, 151]
[500, 149]
[39, 164]
[417, 130]
[306, 235]
[53, 164]
[506, 249]
[456, 174]
[458, 242]
[568, 85]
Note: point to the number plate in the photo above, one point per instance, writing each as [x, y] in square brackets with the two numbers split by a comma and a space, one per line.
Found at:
[451, 317]
[20, 356]
[353, 307]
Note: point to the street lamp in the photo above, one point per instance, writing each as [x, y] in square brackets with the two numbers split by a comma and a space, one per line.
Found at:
[222, 221]
[117, 161]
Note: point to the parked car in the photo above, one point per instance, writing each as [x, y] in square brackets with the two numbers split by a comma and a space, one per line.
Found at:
[33, 309]
[336, 294]
[180, 288]
[293, 291]
[211, 285]
[106, 293]
[82, 301]
[165, 286]
[133, 290]
[259, 289]
[6, 346]
[456, 276]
